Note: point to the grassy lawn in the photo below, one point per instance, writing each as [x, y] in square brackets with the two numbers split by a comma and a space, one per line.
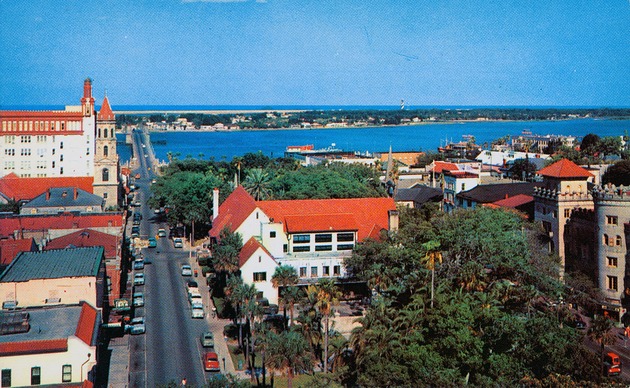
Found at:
[241, 357]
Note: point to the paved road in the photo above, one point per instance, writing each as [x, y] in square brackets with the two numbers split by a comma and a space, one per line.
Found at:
[170, 349]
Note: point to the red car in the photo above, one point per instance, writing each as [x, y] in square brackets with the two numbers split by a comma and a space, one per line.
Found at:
[211, 362]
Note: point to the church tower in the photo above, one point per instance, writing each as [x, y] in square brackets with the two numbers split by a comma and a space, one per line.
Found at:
[106, 183]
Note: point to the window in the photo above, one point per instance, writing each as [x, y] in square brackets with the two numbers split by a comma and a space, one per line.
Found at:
[105, 175]
[302, 272]
[6, 377]
[66, 373]
[104, 195]
[60, 145]
[463, 186]
[9, 152]
[612, 262]
[60, 170]
[323, 248]
[336, 270]
[99, 133]
[618, 240]
[112, 132]
[323, 237]
[612, 283]
[272, 234]
[345, 237]
[611, 220]
[313, 272]
[53, 164]
[345, 247]
[302, 238]
[326, 270]
[105, 150]
[285, 248]
[36, 375]
[302, 248]
[105, 133]
[53, 151]
[260, 276]
[608, 241]
[567, 213]
[61, 158]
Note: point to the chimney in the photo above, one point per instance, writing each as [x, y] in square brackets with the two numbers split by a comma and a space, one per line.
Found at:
[393, 220]
[215, 203]
[48, 195]
[76, 194]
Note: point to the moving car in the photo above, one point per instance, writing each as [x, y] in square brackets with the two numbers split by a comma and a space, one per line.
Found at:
[152, 242]
[138, 299]
[186, 270]
[207, 340]
[137, 326]
[178, 243]
[197, 312]
[161, 232]
[138, 279]
[211, 362]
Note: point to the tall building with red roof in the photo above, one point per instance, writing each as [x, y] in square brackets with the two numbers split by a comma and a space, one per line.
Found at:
[314, 235]
[106, 165]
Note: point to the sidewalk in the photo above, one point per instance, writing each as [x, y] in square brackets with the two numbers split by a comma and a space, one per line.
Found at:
[119, 362]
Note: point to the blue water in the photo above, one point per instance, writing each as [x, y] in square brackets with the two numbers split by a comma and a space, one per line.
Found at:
[427, 137]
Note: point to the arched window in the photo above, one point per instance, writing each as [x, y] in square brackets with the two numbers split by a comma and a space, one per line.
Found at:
[112, 133]
[618, 241]
[105, 133]
[99, 133]
[105, 175]
[105, 150]
[606, 239]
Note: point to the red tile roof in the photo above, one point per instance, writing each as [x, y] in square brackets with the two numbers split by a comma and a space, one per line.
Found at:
[564, 168]
[10, 248]
[460, 174]
[106, 111]
[250, 247]
[86, 238]
[233, 211]
[367, 214]
[19, 189]
[515, 201]
[58, 221]
[439, 166]
[33, 347]
[87, 323]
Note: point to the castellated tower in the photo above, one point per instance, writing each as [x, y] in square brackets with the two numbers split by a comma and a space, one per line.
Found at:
[564, 189]
[612, 230]
[106, 158]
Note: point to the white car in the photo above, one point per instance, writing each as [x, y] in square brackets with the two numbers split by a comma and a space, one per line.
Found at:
[197, 312]
[186, 270]
[138, 299]
[195, 299]
[137, 326]
[138, 279]
[178, 243]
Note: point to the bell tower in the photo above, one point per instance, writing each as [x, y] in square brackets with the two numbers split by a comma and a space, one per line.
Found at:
[87, 101]
[106, 164]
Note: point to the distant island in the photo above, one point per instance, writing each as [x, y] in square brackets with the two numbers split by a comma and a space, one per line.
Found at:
[295, 119]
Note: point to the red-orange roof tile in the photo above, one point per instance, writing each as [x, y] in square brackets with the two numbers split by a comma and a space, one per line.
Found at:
[9, 225]
[33, 347]
[233, 211]
[87, 323]
[320, 223]
[513, 202]
[564, 168]
[248, 250]
[106, 112]
[439, 166]
[10, 248]
[86, 238]
[19, 189]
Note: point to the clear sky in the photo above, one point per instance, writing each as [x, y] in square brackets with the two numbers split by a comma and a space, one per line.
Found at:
[317, 52]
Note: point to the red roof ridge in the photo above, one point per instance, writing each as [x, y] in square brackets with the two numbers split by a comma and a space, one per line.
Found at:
[565, 168]
[87, 323]
[233, 211]
[33, 347]
[248, 250]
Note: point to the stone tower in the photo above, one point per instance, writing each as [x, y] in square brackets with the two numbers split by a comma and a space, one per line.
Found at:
[564, 189]
[106, 166]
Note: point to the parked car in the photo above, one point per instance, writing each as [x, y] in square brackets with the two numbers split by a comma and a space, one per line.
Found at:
[186, 270]
[152, 242]
[195, 298]
[178, 243]
[147, 261]
[138, 279]
[211, 362]
[207, 340]
[192, 287]
[137, 326]
[138, 264]
[138, 299]
[612, 364]
[161, 232]
[136, 203]
[197, 312]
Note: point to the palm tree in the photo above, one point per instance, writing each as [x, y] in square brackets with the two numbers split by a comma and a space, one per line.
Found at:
[285, 275]
[602, 333]
[257, 184]
[327, 296]
[287, 352]
[433, 254]
[290, 296]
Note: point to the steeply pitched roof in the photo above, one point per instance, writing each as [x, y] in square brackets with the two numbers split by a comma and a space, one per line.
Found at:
[564, 168]
[233, 211]
[418, 194]
[24, 189]
[64, 197]
[248, 250]
[11, 223]
[10, 248]
[86, 327]
[86, 238]
[59, 263]
[324, 214]
[439, 166]
[106, 112]
[495, 192]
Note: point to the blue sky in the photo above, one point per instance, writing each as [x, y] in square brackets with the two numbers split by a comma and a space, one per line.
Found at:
[317, 52]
